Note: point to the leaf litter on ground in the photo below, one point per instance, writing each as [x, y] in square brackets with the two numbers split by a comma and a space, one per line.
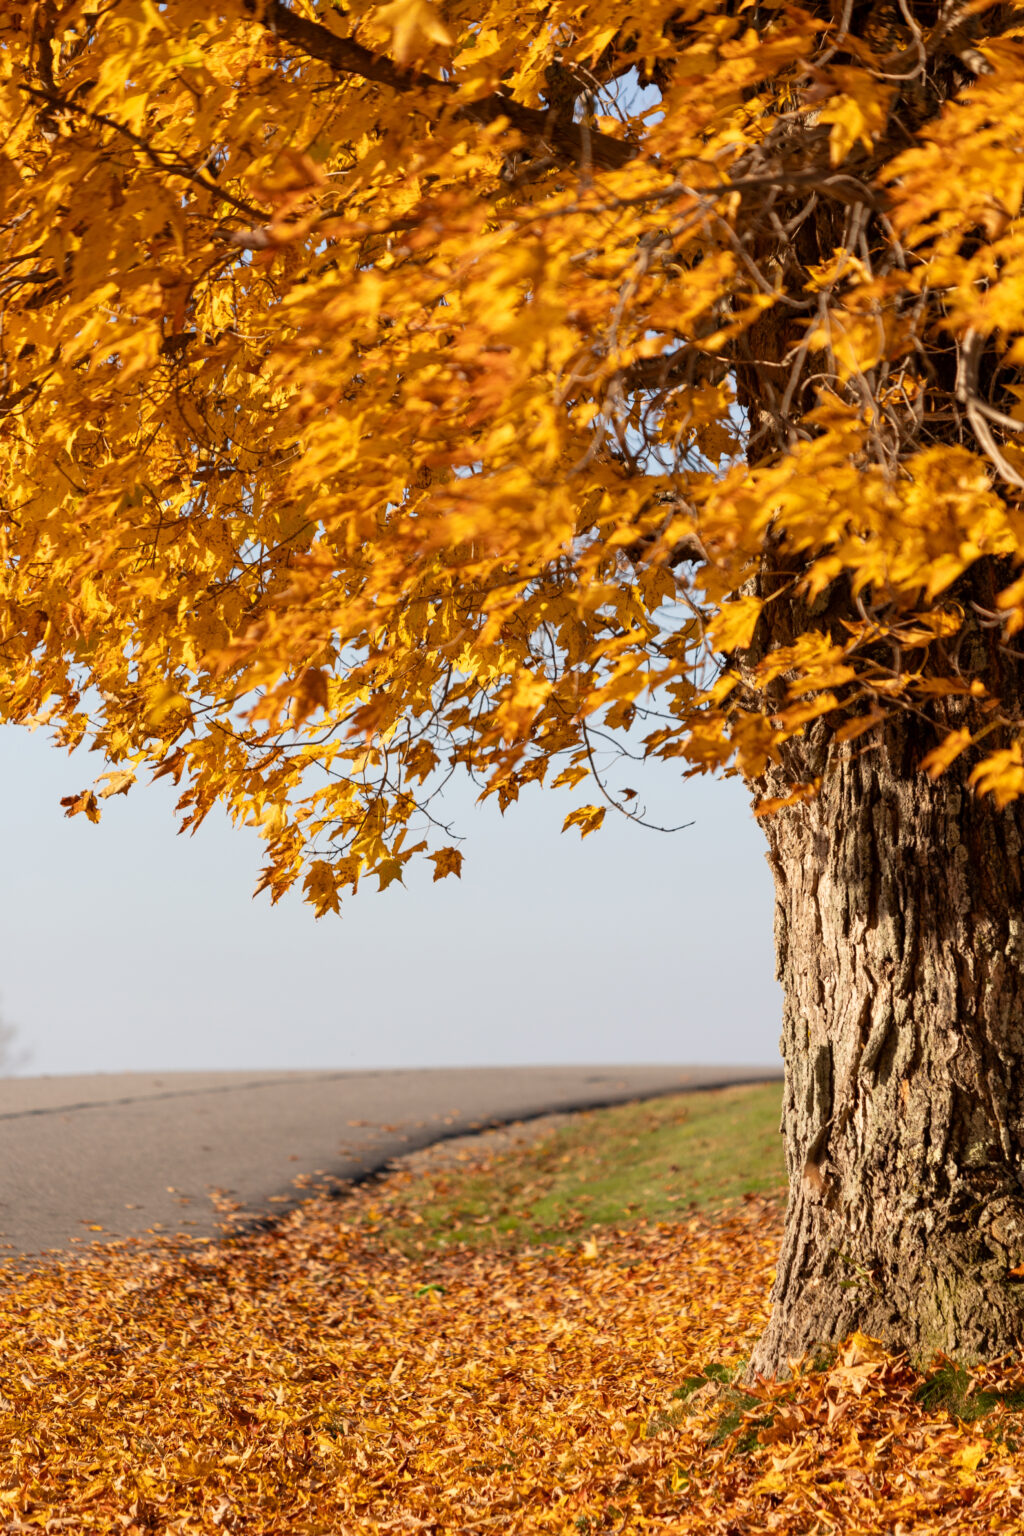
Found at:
[328, 1375]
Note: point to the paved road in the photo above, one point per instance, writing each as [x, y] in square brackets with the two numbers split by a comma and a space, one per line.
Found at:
[135, 1153]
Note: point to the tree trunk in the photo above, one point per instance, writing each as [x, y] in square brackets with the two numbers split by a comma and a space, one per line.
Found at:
[900, 939]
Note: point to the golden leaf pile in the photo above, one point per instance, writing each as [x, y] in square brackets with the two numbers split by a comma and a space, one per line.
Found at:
[314, 1379]
[375, 388]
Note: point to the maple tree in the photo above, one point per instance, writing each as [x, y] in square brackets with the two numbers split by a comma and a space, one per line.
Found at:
[393, 389]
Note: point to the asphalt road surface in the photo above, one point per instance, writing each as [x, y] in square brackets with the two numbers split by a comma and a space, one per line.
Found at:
[96, 1158]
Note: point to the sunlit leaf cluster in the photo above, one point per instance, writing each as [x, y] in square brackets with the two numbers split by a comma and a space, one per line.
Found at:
[393, 390]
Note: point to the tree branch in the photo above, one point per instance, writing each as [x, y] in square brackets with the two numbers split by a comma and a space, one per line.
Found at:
[171, 167]
[668, 370]
[345, 56]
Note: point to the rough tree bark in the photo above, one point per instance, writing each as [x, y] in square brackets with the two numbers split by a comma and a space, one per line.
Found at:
[899, 911]
[900, 942]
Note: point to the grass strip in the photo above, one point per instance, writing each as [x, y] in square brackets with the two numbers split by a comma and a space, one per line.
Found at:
[656, 1160]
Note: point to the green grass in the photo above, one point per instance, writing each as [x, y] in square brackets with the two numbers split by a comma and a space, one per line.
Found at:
[733, 1408]
[951, 1387]
[657, 1160]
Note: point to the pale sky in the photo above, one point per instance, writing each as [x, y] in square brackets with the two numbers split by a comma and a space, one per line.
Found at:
[126, 947]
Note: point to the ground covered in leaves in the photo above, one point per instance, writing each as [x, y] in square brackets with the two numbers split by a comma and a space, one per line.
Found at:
[323, 1377]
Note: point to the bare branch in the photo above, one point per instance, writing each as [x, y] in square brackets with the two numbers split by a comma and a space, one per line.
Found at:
[971, 349]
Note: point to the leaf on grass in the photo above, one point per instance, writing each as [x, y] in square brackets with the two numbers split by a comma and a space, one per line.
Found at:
[314, 1369]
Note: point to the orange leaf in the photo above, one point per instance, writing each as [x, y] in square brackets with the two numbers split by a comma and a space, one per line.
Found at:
[447, 861]
[939, 758]
[309, 694]
[85, 802]
[587, 817]
[797, 796]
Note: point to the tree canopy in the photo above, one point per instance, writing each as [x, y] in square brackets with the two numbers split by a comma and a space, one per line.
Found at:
[394, 389]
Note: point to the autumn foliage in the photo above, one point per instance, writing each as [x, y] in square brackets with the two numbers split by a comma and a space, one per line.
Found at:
[395, 388]
[317, 1378]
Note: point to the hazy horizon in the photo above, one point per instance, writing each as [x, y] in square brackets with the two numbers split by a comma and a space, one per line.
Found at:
[127, 947]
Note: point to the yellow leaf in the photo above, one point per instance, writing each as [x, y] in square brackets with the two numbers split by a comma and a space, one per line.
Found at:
[570, 777]
[797, 796]
[733, 626]
[387, 872]
[971, 1457]
[851, 729]
[587, 817]
[411, 22]
[808, 709]
[862, 1350]
[773, 1482]
[163, 702]
[1001, 775]
[321, 888]
[859, 113]
[118, 783]
[939, 758]
[290, 172]
[722, 687]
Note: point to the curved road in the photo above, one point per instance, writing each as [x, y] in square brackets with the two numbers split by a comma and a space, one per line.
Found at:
[92, 1159]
